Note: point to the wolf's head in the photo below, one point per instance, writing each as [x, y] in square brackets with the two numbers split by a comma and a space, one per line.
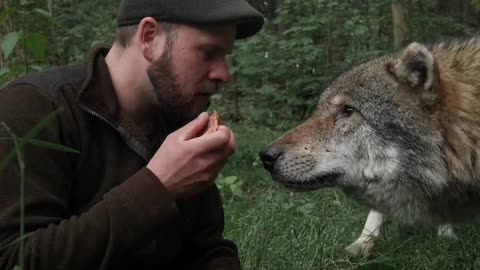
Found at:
[375, 126]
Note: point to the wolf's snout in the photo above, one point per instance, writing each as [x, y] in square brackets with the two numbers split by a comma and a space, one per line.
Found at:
[270, 156]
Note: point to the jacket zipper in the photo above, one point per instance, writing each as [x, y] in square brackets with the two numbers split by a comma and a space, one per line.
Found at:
[115, 128]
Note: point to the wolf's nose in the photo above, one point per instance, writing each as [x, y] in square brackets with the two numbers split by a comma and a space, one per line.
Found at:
[269, 156]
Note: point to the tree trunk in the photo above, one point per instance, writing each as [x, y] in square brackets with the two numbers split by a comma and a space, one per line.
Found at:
[3, 29]
[330, 41]
[267, 8]
[237, 115]
[272, 9]
[401, 31]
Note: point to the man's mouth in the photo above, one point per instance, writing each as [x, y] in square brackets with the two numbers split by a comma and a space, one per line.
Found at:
[209, 90]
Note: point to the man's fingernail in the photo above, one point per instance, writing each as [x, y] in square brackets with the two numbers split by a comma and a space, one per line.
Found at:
[202, 115]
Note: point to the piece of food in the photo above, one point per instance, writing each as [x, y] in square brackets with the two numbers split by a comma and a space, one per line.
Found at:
[213, 123]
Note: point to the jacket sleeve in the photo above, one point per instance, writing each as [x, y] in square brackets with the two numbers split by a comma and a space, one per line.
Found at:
[211, 250]
[126, 216]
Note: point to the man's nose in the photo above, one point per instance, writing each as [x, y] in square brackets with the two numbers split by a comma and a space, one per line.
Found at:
[270, 156]
[220, 71]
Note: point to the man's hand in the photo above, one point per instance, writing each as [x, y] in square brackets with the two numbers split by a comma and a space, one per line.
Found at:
[187, 164]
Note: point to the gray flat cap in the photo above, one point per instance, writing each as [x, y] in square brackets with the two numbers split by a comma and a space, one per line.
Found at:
[195, 12]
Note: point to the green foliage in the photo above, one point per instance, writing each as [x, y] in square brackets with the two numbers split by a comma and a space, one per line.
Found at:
[280, 73]
[230, 184]
[8, 43]
[39, 36]
[80, 26]
[36, 46]
[24, 47]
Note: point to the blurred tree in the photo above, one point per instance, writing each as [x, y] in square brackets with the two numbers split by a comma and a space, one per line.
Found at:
[401, 29]
[267, 7]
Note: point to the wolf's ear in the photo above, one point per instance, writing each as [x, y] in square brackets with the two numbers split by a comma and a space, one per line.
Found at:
[416, 67]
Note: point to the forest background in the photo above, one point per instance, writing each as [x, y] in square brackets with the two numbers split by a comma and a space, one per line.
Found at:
[277, 78]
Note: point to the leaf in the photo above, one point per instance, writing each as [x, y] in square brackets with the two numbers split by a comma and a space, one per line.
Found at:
[360, 30]
[17, 267]
[291, 29]
[28, 138]
[377, 266]
[36, 67]
[96, 43]
[36, 45]
[236, 189]
[25, 2]
[229, 180]
[5, 14]
[4, 71]
[16, 241]
[8, 43]
[43, 13]
[52, 146]
[307, 208]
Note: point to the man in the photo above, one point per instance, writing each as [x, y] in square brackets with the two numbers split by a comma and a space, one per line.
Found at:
[141, 193]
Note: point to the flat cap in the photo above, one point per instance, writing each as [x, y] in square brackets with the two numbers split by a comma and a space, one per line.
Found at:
[194, 12]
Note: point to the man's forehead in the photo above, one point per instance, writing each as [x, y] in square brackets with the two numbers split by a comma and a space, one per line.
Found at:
[226, 31]
[221, 36]
[216, 47]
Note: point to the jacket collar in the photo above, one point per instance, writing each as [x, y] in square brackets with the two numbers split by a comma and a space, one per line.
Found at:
[97, 92]
[97, 95]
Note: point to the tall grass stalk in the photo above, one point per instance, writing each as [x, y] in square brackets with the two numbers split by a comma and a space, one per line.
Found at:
[21, 164]
[19, 145]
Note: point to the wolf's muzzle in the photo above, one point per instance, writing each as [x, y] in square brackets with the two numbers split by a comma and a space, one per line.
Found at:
[270, 156]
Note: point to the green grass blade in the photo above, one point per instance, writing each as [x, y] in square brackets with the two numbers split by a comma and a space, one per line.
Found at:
[52, 146]
[47, 145]
[28, 138]
[21, 163]
[14, 242]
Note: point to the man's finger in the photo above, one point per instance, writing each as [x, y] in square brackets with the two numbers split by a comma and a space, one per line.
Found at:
[232, 143]
[192, 129]
[212, 141]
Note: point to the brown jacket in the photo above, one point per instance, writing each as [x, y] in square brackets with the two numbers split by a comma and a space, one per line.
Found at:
[102, 208]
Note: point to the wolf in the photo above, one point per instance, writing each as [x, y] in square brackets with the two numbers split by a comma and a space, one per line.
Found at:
[400, 134]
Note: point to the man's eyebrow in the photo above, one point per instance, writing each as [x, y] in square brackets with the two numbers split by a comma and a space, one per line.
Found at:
[216, 47]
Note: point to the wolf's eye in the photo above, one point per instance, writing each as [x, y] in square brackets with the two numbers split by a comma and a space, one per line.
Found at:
[346, 111]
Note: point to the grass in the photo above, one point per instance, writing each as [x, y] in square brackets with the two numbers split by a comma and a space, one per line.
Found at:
[276, 229]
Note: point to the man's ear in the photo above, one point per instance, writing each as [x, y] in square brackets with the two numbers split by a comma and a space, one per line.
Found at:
[147, 34]
[416, 67]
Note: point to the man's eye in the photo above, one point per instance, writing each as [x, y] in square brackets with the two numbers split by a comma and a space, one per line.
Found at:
[209, 55]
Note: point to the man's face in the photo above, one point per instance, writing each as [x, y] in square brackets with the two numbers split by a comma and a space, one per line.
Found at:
[191, 69]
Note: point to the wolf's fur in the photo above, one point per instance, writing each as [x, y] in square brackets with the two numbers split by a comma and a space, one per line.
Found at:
[400, 134]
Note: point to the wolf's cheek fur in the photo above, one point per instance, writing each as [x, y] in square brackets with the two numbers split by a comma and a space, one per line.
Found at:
[360, 155]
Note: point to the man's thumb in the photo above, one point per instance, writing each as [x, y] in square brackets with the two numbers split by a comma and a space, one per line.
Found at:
[192, 129]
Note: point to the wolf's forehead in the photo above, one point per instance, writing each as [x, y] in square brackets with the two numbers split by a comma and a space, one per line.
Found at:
[359, 84]
[337, 99]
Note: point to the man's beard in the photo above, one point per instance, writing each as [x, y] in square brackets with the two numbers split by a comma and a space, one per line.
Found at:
[177, 109]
